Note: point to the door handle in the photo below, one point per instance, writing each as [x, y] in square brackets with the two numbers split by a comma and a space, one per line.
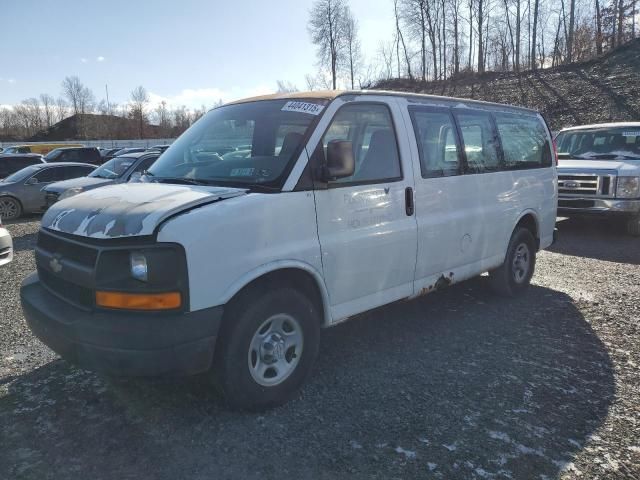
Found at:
[408, 201]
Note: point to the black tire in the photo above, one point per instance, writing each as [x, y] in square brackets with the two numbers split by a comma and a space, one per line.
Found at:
[633, 226]
[10, 208]
[513, 276]
[235, 373]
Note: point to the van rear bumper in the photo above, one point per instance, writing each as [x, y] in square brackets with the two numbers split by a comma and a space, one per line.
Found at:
[121, 343]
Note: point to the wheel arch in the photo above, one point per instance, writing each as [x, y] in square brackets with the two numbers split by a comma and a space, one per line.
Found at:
[297, 274]
[529, 220]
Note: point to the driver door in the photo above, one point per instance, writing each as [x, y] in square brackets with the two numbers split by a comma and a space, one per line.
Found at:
[367, 232]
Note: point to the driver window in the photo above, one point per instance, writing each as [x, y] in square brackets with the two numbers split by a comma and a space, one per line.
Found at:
[370, 130]
[47, 175]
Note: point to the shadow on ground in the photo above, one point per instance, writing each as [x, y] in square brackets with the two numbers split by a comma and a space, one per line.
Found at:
[609, 241]
[459, 384]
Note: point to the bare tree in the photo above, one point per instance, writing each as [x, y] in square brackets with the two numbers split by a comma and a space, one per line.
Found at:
[285, 86]
[61, 109]
[327, 29]
[400, 40]
[48, 105]
[572, 19]
[534, 34]
[352, 43]
[139, 102]
[80, 97]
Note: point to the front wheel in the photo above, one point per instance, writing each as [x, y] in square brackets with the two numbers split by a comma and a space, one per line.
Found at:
[10, 208]
[266, 348]
[514, 275]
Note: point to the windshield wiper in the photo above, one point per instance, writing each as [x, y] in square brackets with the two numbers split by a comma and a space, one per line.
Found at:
[180, 180]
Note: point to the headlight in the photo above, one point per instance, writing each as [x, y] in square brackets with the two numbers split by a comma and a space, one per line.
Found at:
[628, 187]
[70, 192]
[138, 263]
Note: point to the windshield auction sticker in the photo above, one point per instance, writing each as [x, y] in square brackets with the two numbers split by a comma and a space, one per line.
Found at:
[303, 107]
[631, 134]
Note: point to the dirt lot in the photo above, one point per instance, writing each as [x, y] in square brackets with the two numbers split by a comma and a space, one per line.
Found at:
[459, 384]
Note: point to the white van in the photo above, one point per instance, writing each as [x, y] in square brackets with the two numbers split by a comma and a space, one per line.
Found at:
[275, 216]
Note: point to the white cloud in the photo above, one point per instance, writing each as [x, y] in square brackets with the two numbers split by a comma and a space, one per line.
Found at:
[83, 60]
[196, 97]
[11, 80]
[100, 59]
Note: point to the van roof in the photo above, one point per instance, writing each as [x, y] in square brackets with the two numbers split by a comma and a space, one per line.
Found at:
[604, 125]
[417, 97]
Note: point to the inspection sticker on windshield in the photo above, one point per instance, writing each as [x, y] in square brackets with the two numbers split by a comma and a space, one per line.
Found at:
[242, 172]
[631, 134]
[304, 107]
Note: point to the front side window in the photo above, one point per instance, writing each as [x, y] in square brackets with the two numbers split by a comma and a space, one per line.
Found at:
[48, 175]
[479, 139]
[524, 141]
[75, 172]
[248, 144]
[620, 143]
[370, 130]
[437, 142]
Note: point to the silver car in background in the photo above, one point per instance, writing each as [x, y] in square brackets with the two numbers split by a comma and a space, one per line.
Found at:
[23, 192]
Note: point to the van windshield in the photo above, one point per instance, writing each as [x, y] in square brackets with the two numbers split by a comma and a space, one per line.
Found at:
[248, 145]
[618, 143]
[53, 154]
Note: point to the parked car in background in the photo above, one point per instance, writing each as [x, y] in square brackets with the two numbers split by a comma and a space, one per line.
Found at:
[39, 148]
[75, 154]
[599, 172]
[117, 170]
[12, 163]
[160, 148]
[6, 245]
[107, 153]
[314, 208]
[124, 151]
[22, 192]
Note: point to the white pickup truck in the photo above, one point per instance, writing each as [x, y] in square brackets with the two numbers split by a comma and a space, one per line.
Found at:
[275, 216]
[599, 172]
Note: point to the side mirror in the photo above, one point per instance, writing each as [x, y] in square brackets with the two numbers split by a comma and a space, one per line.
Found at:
[32, 181]
[340, 160]
[135, 177]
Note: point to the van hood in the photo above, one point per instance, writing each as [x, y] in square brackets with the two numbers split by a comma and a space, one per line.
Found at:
[624, 167]
[126, 210]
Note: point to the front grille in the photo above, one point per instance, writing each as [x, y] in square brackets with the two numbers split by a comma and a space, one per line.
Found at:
[65, 267]
[586, 184]
[81, 296]
[82, 254]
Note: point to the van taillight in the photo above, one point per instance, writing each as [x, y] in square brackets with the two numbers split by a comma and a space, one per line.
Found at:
[555, 152]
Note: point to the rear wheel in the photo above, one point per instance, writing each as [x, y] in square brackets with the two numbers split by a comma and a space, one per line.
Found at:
[266, 348]
[10, 208]
[633, 226]
[514, 275]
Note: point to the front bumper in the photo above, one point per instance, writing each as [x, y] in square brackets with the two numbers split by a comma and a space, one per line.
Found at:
[122, 343]
[6, 247]
[602, 206]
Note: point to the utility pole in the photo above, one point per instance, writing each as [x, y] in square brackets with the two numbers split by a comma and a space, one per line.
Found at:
[106, 89]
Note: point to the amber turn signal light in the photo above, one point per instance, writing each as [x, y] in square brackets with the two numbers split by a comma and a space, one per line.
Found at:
[139, 301]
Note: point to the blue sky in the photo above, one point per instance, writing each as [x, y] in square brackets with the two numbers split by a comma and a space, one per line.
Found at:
[187, 52]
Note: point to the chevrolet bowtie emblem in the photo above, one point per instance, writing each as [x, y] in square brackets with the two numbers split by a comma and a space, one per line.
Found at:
[55, 265]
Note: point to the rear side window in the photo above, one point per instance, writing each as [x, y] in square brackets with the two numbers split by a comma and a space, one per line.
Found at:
[480, 141]
[370, 130]
[437, 142]
[524, 141]
[74, 172]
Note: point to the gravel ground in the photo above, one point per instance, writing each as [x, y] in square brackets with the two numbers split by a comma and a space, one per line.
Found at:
[458, 384]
